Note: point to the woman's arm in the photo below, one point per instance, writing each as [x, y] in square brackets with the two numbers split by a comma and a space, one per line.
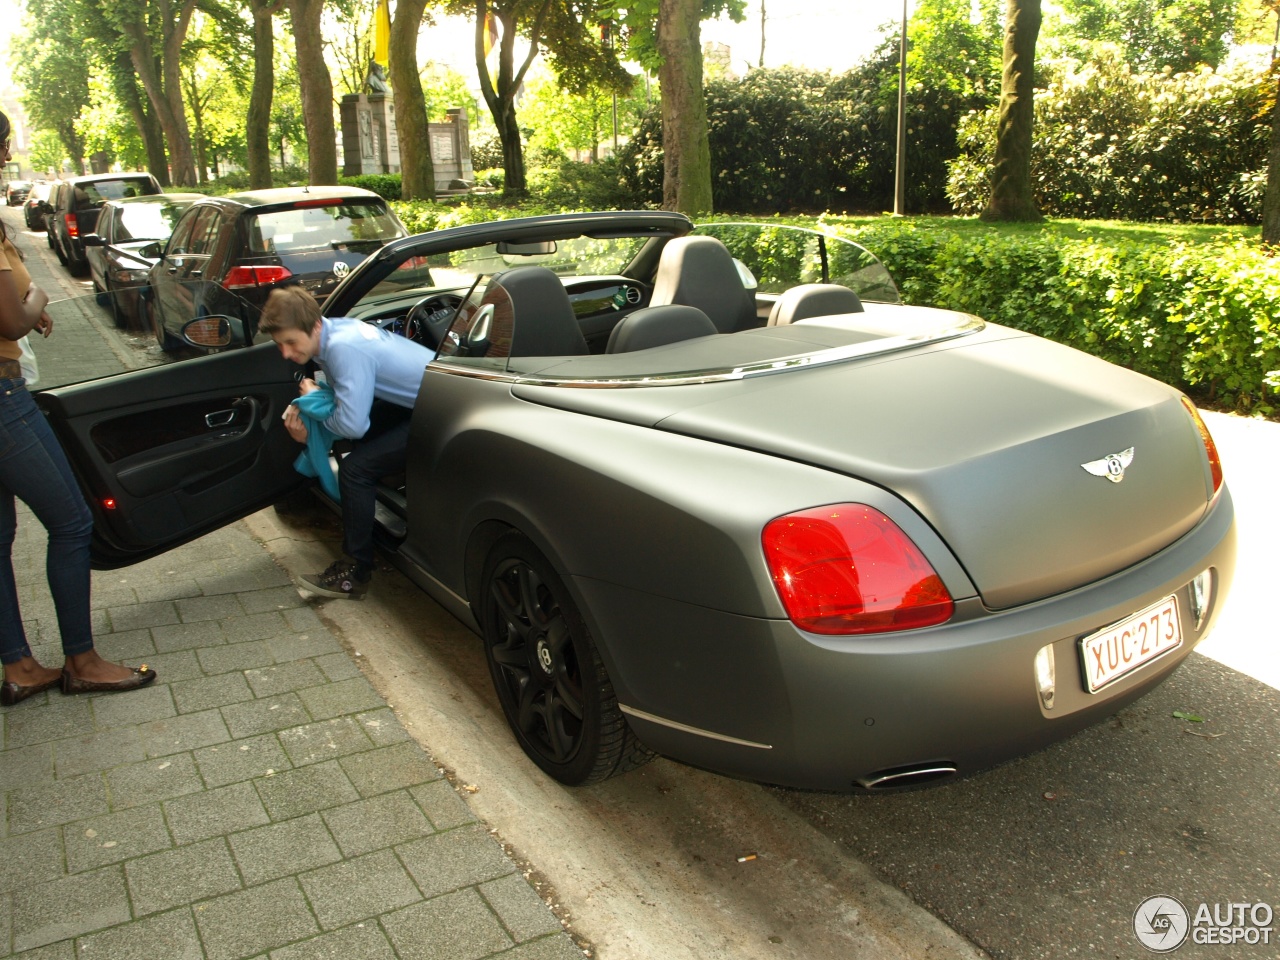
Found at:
[16, 317]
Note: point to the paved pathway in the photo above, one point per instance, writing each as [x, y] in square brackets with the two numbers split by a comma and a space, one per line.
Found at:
[259, 801]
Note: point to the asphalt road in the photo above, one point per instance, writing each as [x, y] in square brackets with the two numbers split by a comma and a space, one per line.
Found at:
[1046, 857]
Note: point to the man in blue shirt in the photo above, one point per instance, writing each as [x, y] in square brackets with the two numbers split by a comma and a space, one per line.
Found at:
[361, 363]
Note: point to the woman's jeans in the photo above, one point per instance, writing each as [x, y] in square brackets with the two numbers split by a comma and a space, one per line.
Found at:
[34, 468]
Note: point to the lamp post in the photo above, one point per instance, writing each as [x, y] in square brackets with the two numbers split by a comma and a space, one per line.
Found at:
[900, 165]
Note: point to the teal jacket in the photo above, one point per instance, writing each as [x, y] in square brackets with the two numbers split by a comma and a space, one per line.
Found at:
[317, 407]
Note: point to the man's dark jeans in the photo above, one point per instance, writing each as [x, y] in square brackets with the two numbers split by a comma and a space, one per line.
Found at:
[379, 453]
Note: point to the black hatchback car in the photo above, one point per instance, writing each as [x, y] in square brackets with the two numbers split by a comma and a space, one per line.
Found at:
[75, 204]
[227, 253]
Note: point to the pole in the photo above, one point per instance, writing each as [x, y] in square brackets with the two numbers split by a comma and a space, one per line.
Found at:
[900, 165]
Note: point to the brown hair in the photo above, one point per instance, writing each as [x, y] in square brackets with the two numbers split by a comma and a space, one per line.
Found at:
[6, 129]
[289, 308]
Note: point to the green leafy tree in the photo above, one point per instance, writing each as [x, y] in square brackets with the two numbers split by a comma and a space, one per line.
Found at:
[45, 152]
[566, 29]
[1152, 35]
[1012, 197]
[417, 171]
[315, 86]
[1271, 198]
[565, 123]
[154, 32]
[52, 67]
[666, 35]
[444, 88]
[257, 132]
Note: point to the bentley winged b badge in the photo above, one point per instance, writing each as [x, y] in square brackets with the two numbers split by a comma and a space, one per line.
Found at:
[1111, 466]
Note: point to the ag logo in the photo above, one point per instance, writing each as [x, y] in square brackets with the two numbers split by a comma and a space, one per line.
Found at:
[1161, 924]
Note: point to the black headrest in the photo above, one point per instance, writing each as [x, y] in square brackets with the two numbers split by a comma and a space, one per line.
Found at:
[544, 324]
[656, 326]
[700, 272]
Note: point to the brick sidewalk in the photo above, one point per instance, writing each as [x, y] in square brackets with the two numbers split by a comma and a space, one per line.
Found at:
[259, 800]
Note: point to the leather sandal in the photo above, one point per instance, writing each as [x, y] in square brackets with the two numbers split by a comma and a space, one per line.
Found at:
[11, 693]
[140, 678]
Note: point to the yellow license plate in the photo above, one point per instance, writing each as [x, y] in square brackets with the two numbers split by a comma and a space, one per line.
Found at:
[1123, 647]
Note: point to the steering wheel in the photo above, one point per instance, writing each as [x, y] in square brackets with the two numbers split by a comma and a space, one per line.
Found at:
[428, 319]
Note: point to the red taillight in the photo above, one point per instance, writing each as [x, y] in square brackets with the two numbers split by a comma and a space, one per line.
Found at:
[848, 568]
[73, 228]
[240, 277]
[1210, 448]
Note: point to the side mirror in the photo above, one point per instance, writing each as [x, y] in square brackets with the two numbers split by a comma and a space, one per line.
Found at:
[214, 330]
[93, 240]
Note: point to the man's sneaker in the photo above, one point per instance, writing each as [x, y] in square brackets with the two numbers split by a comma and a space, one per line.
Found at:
[340, 580]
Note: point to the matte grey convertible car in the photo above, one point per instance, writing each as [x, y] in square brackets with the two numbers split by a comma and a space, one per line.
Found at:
[717, 495]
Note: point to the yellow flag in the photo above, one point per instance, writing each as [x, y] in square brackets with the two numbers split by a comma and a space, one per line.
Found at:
[490, 33]
[382, 31]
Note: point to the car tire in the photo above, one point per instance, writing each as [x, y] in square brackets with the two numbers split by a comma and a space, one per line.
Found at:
[119, 316]
[57, 248]
[552, 684]
[168, 342]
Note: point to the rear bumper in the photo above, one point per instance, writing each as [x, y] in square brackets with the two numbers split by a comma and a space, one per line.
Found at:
[758, 699]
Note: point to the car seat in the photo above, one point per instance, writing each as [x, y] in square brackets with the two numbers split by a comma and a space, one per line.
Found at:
[658, 326]
[813, 300]
[700, 272]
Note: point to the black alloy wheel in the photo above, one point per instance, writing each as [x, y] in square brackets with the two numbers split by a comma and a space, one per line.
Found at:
[550, 680]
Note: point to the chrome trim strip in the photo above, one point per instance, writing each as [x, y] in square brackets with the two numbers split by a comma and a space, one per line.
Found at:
[871, 783]
[685, 728]
[855, 351]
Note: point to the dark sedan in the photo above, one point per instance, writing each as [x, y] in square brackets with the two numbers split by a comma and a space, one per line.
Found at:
[126, 244]
[15, 191]
[36, 206]
[227, 253]
[788, 529]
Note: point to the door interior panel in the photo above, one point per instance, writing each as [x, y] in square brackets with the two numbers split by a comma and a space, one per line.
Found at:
[167, 454]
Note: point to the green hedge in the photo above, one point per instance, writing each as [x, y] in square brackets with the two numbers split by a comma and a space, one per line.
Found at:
[1201, 316]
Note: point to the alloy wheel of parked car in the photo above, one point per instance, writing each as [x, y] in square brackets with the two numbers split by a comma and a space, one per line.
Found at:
[550, 680]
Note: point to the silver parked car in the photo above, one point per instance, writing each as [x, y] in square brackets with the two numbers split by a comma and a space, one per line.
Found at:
[716, 494]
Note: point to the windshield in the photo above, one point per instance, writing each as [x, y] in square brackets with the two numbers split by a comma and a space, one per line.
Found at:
[456, 270]
[336, 226]
[148, 221]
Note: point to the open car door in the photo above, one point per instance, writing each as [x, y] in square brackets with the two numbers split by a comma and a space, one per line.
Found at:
[171, 452]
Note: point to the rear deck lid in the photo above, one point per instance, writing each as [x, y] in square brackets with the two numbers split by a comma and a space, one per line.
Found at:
[1001, 444]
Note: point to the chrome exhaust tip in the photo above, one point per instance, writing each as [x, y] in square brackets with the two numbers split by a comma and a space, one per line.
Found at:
[902, 777]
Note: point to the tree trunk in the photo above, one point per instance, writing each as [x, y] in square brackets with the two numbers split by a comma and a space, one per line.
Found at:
[1012, 197]
[126, 87]
[180, 156]
[257, 133]
[501, 98]
[317, 92]
[417, 173]
[155, 82]
[686, 172]
[1271, 199]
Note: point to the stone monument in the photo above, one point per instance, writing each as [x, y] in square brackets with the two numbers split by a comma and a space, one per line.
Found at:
[371, 145]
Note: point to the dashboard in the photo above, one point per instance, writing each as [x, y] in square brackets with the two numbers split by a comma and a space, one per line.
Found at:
[598, 303]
